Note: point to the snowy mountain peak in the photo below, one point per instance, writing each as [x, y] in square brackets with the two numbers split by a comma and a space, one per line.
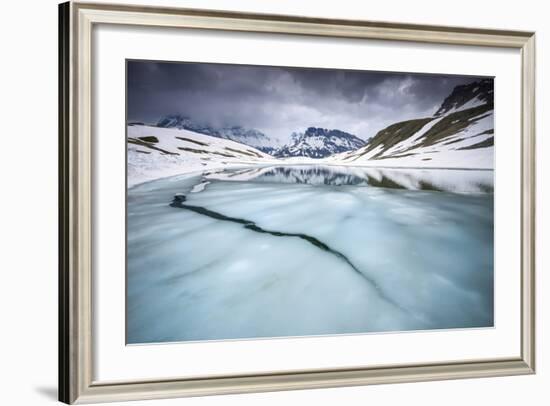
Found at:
[467, 96]
[175, 121]
[319, 143]
[461, 134]
[237, 133]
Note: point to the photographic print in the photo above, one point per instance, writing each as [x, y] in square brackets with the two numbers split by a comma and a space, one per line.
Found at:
[267, 202]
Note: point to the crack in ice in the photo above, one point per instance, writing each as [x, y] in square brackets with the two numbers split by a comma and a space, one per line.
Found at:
[179, 200]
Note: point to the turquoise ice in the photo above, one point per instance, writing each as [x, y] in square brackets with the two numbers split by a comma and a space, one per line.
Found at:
[297, 251]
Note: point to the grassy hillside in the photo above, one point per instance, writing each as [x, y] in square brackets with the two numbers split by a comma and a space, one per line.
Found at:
[393, 135]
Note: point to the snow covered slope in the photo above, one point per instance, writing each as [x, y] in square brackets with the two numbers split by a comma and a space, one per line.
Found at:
[159, 152]
[250, 137]
[459, 135]
[319, 143]
[467, 96]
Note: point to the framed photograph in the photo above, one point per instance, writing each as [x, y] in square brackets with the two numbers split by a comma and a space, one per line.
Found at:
[263, 202]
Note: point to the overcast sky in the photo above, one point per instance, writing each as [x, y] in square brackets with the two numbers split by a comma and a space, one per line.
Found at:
[279, 101]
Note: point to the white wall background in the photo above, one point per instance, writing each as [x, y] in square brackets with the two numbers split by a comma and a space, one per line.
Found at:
[28, 208]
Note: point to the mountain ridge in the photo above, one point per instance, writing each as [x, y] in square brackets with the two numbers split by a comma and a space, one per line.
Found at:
[466, 96]
[317, 142]
[462, 122]
[460, 133]
[247, 136]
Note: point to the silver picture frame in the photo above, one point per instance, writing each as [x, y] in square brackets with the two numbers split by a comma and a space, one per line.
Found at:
[76, 352]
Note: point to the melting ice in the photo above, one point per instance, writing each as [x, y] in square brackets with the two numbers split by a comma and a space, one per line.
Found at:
[294, 251]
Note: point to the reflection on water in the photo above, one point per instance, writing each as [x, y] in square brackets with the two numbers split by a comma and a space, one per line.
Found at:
[449, 180]
[308, 250]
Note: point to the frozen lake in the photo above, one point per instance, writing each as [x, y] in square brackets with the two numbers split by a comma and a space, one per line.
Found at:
[308, 250]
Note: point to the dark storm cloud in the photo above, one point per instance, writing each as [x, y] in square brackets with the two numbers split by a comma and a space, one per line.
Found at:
[279, 101]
